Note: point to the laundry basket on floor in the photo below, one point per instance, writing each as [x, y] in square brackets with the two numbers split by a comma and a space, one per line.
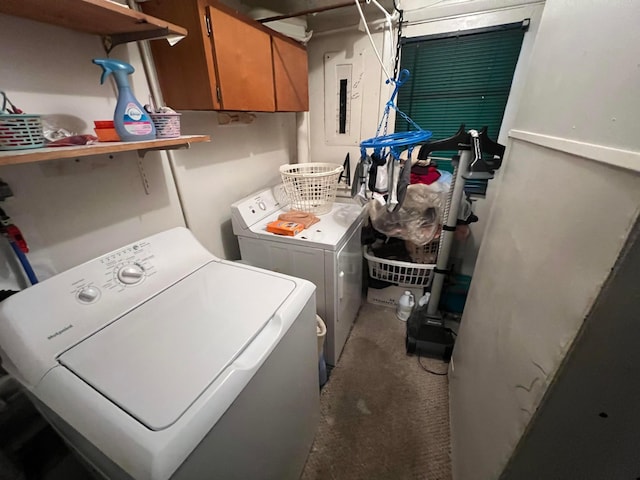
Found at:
[311, 187]
[404, 274]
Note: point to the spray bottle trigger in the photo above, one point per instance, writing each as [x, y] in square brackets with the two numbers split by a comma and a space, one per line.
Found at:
[105, 74]
[106, 71]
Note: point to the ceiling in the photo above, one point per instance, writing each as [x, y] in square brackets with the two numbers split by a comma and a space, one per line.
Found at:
[330, 19]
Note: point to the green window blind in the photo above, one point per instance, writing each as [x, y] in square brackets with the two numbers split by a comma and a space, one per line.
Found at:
[458, 78]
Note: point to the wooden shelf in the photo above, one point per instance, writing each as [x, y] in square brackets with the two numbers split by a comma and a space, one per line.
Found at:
[99, 17]
[55, 153]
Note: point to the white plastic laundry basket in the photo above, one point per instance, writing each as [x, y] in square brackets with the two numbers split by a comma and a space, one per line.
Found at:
[311, 187]
[405, 274]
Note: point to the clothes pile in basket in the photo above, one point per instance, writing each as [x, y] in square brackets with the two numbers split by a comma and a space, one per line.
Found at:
[402, 245]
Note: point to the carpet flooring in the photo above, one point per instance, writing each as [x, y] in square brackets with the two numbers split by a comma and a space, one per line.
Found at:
[382, 416]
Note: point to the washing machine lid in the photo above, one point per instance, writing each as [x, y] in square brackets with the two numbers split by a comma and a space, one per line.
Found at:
[155, 361]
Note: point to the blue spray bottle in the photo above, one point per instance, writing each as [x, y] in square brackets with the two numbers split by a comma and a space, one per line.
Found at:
[131, 121]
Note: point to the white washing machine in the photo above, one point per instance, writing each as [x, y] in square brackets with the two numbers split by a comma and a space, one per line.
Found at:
[329, 254]
[159, 361]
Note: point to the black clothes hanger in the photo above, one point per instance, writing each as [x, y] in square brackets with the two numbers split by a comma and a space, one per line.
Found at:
[460, 141]
[483, 168]
[377, 161]
[346, 170]
[479, 168]
[489, 146]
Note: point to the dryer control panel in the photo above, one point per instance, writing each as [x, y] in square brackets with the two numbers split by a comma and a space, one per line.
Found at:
[252, 209]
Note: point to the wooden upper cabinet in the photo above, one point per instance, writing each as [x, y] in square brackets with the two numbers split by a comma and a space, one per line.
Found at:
[243, 63]
[185, 71]
[290, 71]
[228, 62]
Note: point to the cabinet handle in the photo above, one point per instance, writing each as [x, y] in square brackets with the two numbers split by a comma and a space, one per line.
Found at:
[207, 21]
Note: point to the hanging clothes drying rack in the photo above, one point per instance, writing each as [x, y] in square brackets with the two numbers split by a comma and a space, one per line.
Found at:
[384, 149]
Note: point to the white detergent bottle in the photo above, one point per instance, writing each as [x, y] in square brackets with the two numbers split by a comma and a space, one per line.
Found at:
[405, 306]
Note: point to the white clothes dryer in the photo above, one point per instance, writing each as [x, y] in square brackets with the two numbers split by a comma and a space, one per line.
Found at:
[159, 360]
[329, 254]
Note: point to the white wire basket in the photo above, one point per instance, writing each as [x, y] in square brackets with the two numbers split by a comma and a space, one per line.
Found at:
[404, 274]
[311, 187]
[167, 124]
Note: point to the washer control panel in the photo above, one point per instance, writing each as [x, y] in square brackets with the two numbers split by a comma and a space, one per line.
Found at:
[118, 271]
[88, 294]
[130, 274]
[39, 324]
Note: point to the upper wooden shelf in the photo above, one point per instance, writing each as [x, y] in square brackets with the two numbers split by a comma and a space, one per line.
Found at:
[54, 153]
[100, 17]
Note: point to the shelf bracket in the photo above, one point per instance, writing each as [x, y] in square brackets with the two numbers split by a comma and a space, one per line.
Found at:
[143, 151]
[143, 176]
[109, 42]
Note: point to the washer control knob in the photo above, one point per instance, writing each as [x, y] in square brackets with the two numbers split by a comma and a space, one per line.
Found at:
[131, 274]
[262, 205]
[88, 294]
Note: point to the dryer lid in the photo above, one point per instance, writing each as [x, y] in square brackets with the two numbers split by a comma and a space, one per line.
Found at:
[155, 361]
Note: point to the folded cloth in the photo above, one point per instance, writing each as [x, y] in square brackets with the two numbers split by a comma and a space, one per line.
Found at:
[426, 175]
[73, 140]
[306, 219]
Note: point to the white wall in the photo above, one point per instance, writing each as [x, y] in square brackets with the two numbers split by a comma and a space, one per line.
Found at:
[240, 160]
[73, 210]
[557, 226]
[587, 424]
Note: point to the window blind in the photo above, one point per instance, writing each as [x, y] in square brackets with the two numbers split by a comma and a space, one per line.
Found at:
[464, 77]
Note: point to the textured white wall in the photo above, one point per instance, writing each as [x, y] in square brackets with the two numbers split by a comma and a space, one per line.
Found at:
[240, 160]
[557, 225]
[587, 89]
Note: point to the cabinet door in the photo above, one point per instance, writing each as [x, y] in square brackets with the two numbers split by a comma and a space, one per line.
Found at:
[291, 76]
[186, 70]
[243, 63]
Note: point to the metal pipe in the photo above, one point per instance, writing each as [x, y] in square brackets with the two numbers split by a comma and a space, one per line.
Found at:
[154, 88]
[446, 237]
[303, 143]
[308, 12]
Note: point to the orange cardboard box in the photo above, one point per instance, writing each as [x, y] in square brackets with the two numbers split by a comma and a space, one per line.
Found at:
[284, 228]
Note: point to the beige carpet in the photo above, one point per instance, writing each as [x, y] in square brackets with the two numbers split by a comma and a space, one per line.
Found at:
[382, 416]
